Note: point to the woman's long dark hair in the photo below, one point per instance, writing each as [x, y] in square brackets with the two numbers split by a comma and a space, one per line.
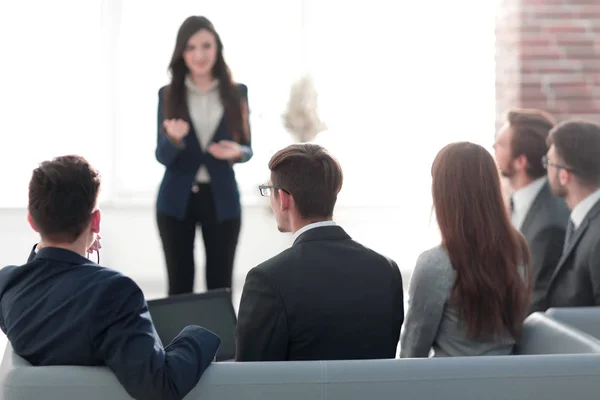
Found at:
[486, 251]
[235, 108]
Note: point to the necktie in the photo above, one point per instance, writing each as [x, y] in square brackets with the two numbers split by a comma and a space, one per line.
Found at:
[513, 215]
[569, 235]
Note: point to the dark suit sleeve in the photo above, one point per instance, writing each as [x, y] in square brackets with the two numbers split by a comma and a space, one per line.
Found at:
[546, 250]
[247, 151]
[125, 338]
[262, 331]
[399, 295]
[166, 151]
[594, 266]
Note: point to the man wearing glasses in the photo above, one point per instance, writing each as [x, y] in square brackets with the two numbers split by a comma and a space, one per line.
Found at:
[573, 164]
[326, 297]
[540, 216]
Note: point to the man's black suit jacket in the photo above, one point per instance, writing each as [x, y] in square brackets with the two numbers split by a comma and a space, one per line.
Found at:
[62, 309]
[576, 279]
[325, 298]
[544, 229]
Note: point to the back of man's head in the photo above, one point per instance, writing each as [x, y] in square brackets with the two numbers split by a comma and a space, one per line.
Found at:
[530, 128]
[577, 144]
[311, 175]
[62, 196]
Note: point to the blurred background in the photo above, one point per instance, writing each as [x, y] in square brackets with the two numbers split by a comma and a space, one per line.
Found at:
[396, 81]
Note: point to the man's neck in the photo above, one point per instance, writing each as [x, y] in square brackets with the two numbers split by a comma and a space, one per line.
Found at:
[579, 194]
[75, 247]
[519, 181]
[301, 223]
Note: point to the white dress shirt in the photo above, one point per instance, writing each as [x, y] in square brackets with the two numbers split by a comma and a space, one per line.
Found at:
[583, 208]
[523, 199]
[311, 226]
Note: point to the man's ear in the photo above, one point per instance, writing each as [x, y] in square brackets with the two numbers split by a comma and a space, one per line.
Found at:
[284, 200]
[564, 176]
[521, 162]
[96, 216]
[31, 223]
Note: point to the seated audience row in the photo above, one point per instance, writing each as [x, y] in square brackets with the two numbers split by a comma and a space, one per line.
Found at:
[327, 296]
[554, 171]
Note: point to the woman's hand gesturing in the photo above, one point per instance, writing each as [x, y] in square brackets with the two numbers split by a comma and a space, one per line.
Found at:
[176, 129]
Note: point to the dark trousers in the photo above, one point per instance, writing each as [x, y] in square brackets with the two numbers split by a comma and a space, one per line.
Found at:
[220, 243]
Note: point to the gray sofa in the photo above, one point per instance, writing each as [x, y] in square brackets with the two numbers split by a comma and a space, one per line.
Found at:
[553, 361]
[586, 319]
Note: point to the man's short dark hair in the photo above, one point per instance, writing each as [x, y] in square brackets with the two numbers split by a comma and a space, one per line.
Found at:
[577, 143]
[530, 128]
[62, 196]
[311, 175]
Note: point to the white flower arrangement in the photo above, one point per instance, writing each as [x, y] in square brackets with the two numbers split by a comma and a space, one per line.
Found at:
[301, 118]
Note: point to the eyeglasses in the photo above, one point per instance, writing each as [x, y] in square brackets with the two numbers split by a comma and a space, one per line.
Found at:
[546, 163]
[266, 190]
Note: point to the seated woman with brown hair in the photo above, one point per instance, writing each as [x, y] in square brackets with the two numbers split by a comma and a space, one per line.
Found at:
[469, 295]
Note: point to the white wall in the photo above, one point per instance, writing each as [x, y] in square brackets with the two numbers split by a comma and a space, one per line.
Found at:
[393, 87]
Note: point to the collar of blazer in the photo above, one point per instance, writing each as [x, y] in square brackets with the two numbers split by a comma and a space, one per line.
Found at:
[536, 205]
[591, 215]
[60, 255]
[322, 233]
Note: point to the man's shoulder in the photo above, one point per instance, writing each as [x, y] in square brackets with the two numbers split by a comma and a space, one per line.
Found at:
[277, 262]
[559, 209]
[114, 281]
[553, 212]
[93, 273]
[97, 279]
[8, 271]
[347, 250]
[554, 206]
[592, 232]
[366, 253]
[588, 247]
[6, 275]
[110, 292]
[39, 271]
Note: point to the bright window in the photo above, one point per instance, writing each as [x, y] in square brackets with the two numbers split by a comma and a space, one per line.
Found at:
[54, 80]
[395, 82]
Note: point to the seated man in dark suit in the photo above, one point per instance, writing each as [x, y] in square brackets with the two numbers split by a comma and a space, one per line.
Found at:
[573, 164]
[327, 297]
[62, 309]
[540, 216]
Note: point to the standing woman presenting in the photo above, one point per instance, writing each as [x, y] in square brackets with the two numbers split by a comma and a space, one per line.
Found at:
[203, 130]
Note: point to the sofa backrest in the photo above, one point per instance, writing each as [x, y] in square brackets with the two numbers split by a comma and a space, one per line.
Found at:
[585, 319]
[543, 335]
[551, 377]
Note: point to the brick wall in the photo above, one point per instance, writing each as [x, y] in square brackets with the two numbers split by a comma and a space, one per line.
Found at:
[548, 57]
